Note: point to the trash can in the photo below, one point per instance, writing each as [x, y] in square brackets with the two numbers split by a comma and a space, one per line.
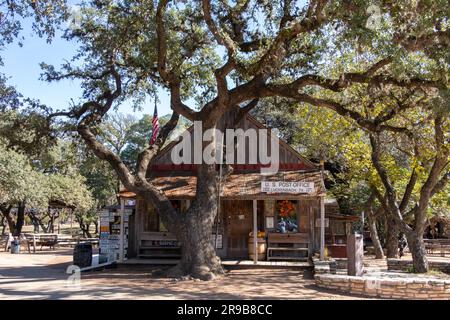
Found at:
[15, 246]
[82, 255]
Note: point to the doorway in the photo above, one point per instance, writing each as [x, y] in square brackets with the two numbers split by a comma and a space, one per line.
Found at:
[238, 219]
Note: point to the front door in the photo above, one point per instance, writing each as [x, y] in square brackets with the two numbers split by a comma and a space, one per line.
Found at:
[238, 217]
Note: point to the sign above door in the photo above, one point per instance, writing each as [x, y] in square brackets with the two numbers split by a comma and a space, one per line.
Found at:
[287, 187]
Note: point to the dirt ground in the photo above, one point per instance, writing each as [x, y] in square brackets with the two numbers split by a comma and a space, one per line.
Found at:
[43, 276]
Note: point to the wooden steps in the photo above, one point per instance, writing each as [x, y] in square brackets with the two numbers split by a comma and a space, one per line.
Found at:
[159, 245]
[231, 264]
[164, 255]
[159, 248]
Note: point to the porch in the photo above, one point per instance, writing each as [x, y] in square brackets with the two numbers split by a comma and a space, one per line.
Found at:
[229, 264]
[282, 227]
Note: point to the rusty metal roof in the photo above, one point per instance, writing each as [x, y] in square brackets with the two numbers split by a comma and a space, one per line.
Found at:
[182, 185]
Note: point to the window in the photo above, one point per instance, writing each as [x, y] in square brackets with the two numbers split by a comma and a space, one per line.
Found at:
[337, 227]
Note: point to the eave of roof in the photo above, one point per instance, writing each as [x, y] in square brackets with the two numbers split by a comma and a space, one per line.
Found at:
[239, 186]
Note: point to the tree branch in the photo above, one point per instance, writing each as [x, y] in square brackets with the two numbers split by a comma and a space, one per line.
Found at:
[168, 75]
[146, 156]
[432, 182]
[408, 191]
[276, 51]
[391, 203]
[440, 185]
[220, 35]
[105, 154]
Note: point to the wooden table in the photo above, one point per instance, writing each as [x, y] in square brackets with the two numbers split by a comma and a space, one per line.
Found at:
[44, 239]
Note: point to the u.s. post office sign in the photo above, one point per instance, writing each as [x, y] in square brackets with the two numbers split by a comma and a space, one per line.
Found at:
[287, 187]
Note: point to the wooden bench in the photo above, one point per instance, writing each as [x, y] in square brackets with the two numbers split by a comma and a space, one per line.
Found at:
[440, 245]
[287, 246]
[44, 240]
[159, 245]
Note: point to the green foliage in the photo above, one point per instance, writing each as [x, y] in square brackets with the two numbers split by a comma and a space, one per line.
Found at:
[26, 131]
[100, 179]
[140, 133]
[45, 16]
[21, 182]
[320, 134]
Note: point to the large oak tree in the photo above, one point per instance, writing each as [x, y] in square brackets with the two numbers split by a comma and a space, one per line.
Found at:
[212, 56]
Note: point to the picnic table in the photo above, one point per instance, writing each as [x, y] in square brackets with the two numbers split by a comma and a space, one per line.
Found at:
[43, 239]
[441, 245]
[47, 240]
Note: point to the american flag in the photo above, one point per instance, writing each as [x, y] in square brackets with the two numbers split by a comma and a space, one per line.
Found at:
[155, 124]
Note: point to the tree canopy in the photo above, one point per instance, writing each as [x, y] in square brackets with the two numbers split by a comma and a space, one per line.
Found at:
[380, 65]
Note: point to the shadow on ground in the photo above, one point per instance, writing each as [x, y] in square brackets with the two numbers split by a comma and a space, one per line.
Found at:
[44, 277]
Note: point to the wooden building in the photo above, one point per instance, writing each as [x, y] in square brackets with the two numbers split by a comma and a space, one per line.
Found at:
[290, 224]
[337, 227]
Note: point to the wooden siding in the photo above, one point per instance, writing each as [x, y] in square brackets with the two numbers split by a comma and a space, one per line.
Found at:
[287, 155]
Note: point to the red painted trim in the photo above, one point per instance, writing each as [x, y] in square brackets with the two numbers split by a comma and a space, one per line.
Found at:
[237, 167]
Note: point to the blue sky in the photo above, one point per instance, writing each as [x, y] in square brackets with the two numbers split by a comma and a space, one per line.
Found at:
[21, 65]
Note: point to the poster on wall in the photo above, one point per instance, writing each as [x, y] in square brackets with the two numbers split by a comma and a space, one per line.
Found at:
[270, 222]
[110, 235]
[219, 242]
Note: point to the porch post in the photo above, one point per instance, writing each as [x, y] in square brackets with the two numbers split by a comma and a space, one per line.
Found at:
[255, 232]
[322, 228]
[122, 209]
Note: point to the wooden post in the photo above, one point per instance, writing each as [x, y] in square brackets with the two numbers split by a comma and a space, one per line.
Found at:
[71, 222]
[322, 228]
[255, 232]
[122, 211]
[362, 222]
[312, 246]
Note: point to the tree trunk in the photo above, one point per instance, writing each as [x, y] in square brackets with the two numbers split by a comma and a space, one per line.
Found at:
[11, 224]
[3, 225]
[84, 227]
[37, 222]
[375, 239]
[43, 226]
[391, 238]
[194, 230]
[86, 231]
[51, 226]
[15, 227]
[417, 248]
[6, 213]
[198, 256]
[20, 218]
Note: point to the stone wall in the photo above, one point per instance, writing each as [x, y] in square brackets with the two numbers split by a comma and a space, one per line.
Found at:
[329, 266]
[396, 288]
[406, 265]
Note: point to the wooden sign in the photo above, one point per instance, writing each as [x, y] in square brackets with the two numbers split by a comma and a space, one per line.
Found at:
[270, 222]
[218, 243]
[287, 187]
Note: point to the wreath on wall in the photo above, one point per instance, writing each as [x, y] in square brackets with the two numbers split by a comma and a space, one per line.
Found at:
[285, 208]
